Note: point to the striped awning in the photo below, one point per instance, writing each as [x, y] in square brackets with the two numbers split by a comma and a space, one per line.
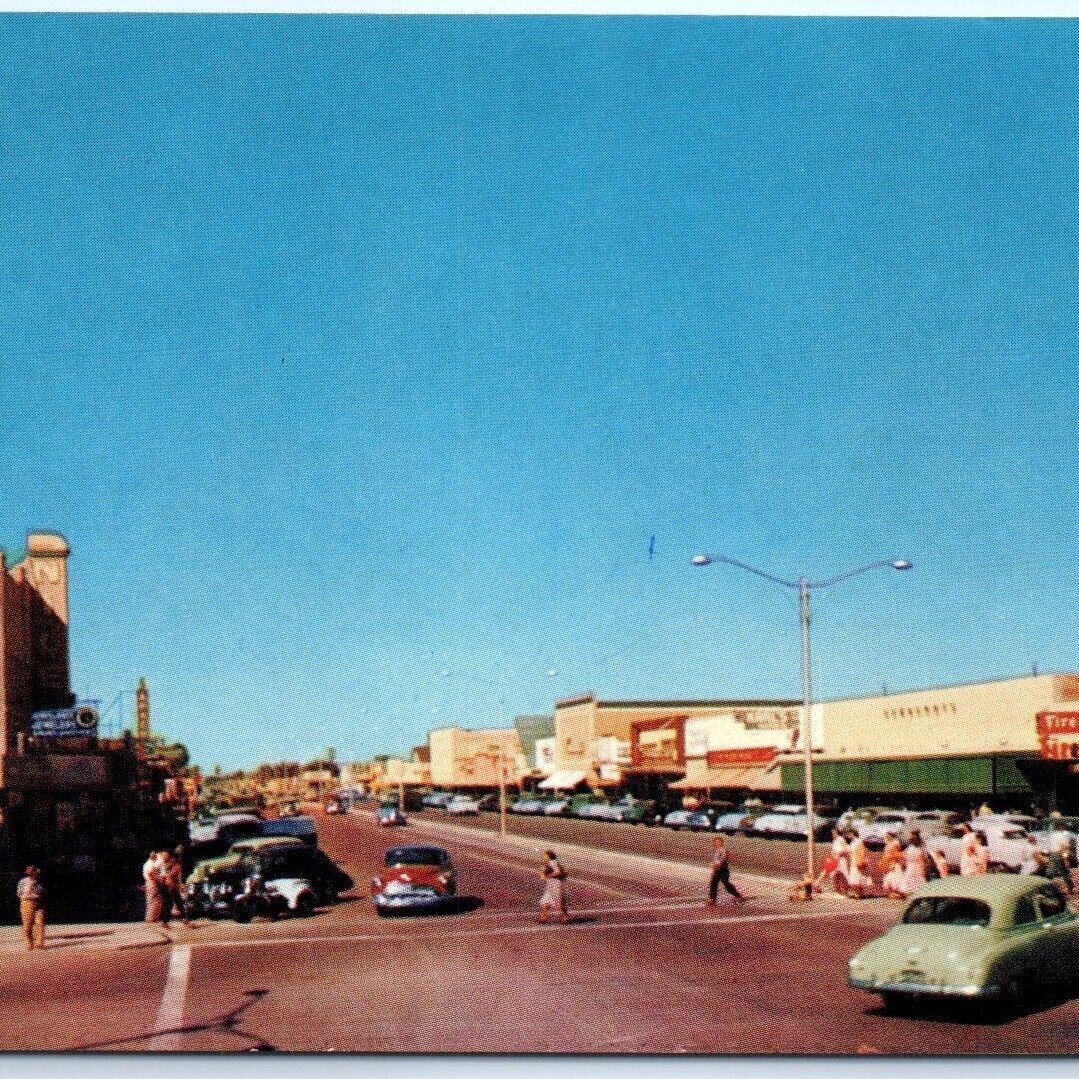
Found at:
[721, 778]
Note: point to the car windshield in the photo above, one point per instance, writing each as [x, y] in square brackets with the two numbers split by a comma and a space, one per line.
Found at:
[947, 910]
[283, 864]
[1013, 833]
[415, 856]
[890, 818]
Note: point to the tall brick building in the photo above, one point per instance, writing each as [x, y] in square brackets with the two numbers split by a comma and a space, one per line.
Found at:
[34, 667]
[84, 808]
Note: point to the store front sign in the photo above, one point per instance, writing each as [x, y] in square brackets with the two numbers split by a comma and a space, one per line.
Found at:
[64, 722]
[1058, 735]
[720, 758]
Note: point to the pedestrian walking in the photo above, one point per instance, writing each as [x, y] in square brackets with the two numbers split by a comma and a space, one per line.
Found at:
[554, 891]
[891, 867]
[914, 868]
[1030, 865]
[152, 886]
[840, 854]
[31, 895]
[940, 861]
[860, 882]
[721, 873]
[172, 889]
[981, 854]
[968, 851]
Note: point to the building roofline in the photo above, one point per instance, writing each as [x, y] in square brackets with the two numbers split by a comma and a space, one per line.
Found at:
[727, 702]
[949, 685]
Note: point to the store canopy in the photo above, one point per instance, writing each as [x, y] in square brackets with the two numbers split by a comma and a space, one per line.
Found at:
[561, 781]
[720, 779]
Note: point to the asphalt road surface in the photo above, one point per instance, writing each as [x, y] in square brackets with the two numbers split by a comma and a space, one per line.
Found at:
[644, 967]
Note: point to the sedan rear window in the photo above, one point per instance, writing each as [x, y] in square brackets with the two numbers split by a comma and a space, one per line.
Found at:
[947, 910]
[415, 856]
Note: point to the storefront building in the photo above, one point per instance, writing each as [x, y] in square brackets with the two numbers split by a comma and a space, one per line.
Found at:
[467, 759]
[732, 752]
[1004, 741]
[414, 772]
[536, 734]
[638, 745]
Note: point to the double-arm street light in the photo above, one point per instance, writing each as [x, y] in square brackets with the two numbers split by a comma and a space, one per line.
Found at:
[804, 586]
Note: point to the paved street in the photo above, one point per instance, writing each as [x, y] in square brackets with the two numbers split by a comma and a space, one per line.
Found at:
[645, 966]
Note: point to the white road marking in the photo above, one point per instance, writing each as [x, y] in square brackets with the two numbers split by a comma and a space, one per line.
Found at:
[393, 938]
[171, 1012]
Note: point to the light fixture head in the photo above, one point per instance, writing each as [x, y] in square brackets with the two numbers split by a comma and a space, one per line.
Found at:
[902, 563]
[700, 560]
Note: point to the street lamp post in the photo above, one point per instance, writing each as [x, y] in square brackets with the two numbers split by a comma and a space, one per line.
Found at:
[804, 586]
[501, 756]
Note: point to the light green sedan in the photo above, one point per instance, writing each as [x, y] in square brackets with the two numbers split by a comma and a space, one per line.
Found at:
[997, 937]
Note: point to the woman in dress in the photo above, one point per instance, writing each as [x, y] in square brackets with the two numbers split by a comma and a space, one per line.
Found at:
[981, 854]
[861, 883]
[968, 851]
[914, 864]
[554, 892]
[891, 867]
[841, 856]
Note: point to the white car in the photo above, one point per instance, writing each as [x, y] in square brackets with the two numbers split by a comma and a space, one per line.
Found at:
[556, 807]
[780, 821]
[1054, 833]
[875, 833]
[1008, 843]
[461, 805]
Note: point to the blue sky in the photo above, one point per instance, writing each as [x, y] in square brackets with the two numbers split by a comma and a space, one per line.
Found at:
[347, 351]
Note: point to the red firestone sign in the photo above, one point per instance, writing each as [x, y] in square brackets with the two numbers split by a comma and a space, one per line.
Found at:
[1058, 735]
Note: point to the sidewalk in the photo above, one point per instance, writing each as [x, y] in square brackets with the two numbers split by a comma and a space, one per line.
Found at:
[94, 936]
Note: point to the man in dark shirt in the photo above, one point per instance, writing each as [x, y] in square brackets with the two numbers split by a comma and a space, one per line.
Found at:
[721, 873]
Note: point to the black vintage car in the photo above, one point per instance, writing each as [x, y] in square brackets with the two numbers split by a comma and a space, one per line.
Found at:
[215, 885]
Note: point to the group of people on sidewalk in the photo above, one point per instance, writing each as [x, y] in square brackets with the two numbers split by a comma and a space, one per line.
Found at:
[902, 868]
[163, 884]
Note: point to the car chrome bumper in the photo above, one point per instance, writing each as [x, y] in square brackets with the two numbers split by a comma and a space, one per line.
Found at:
[965, 992]
[409, 899]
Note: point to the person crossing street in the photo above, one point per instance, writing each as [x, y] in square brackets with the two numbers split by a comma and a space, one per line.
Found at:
[721, 873]
[554, 891]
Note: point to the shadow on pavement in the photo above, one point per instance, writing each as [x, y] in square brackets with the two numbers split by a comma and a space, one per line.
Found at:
[977, 1013]
[229, 1023]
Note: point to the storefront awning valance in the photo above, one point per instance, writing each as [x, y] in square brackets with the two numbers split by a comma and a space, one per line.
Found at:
[561, 781]
[721, 778]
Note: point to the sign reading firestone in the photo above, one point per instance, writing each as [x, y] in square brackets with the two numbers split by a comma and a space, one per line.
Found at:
[1058, 735]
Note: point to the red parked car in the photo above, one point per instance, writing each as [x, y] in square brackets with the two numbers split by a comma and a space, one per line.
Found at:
[414, 878]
